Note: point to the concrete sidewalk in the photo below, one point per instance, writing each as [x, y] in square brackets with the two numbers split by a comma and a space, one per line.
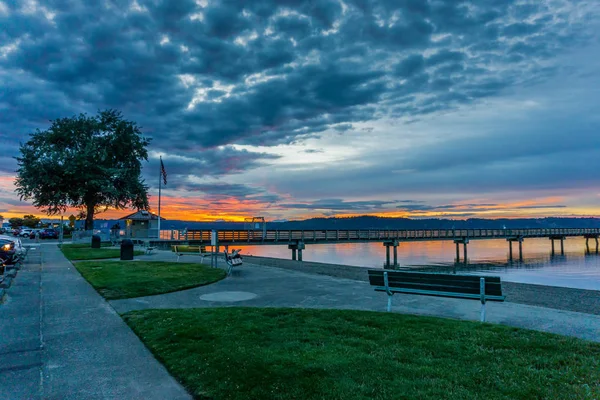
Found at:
[59, 339]
[259, 286]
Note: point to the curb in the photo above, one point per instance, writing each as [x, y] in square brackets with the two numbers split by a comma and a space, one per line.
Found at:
[5, 284]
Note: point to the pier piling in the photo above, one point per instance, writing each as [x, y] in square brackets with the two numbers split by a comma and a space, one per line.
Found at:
[464, 242]
[388, 244]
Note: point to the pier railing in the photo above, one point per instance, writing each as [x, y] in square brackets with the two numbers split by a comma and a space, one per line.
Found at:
[365, 235]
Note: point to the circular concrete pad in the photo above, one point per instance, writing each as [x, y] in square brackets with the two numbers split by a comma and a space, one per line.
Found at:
[228, 296]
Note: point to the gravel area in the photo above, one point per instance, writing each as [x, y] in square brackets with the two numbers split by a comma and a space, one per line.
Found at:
[560, 298]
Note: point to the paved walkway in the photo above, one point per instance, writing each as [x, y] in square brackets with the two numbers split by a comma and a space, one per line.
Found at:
[59, 339]
[258, 286]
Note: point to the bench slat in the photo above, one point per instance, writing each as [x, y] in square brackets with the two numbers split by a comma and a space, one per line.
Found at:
[437, 278]
[401, 274]
[495, 291]
[188, 249]
[439, 284]
[441, 294]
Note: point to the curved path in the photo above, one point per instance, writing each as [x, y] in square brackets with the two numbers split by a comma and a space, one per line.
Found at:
[259, 286]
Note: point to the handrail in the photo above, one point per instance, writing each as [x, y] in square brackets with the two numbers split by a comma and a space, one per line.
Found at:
[364, 235]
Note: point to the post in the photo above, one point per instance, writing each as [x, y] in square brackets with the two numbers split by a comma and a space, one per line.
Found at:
[214, 236]
[562, 247]
[299, 254]
[510, 254]
[520, 249]
[387, 256]
[482, 292]
[294, 254]
[552, 240]
[465, 250]
[587, 244]
[596, 244]
[159, 189]
[395, 255]
[457, 253]
[61, 232]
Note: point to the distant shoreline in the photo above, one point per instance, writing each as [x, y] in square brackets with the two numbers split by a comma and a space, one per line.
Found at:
[559, 298]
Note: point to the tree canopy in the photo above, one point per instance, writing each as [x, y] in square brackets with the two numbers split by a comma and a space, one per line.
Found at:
[89, 162]
[30, 221]
[15, 222]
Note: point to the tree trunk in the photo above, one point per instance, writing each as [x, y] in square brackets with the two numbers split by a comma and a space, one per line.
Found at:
[89, 218]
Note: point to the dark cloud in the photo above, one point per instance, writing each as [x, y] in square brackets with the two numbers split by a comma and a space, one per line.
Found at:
[470, 207]
[337, 205]
[224, 189]
[199, 79]
[266, 72]
[214, 162]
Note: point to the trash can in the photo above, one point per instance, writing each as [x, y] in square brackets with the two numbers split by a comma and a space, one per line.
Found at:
[96, 242]
[126, 249]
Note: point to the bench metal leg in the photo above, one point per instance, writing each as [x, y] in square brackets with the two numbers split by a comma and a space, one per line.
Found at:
[482, 293]
[387, 290]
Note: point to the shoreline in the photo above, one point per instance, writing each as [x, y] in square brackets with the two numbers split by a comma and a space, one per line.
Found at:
[556, 297]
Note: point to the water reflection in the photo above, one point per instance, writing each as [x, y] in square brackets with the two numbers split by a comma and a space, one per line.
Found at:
[575, 268]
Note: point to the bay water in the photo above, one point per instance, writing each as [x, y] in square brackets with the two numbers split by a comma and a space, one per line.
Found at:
[575, 269]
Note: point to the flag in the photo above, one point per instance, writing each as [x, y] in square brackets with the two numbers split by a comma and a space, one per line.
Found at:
[163, 172]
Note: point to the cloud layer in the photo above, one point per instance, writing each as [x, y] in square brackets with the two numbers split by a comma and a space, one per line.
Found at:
[220, 86]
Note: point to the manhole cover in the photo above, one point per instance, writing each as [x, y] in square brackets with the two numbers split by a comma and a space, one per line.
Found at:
[228, 296]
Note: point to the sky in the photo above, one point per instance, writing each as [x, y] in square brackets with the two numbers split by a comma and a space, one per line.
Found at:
[290, 109]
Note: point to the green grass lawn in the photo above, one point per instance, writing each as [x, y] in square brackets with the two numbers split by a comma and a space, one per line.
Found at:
[252, 353]
[84, 251]
[125, 279]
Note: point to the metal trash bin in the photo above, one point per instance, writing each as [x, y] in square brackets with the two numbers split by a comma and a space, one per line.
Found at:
[96, 242]
[126, 250]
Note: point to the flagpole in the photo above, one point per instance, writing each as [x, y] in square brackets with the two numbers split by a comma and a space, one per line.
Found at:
[159, 188]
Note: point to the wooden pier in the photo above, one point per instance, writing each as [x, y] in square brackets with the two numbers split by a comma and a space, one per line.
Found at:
[296, 240]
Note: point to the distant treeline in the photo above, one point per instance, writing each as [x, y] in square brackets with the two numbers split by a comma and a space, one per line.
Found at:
[369, 222]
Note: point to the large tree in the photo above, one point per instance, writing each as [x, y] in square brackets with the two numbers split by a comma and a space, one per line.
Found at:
[30, 221]
[15, 222]
[90, 162]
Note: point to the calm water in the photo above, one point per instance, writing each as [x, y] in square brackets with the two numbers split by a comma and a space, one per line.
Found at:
[489, 257]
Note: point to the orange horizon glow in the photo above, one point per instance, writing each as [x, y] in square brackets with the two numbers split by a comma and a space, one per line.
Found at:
[231, 209]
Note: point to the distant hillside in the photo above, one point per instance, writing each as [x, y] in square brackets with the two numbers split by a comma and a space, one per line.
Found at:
[369, 222]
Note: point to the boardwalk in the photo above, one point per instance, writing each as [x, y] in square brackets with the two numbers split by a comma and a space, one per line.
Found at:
[229, 237]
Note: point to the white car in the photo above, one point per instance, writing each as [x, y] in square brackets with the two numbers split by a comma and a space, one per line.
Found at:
[11, 249]
[25, 232]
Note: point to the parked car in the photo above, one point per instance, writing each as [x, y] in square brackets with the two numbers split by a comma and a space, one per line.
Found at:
[49, 233]
[25, 232]
[11, 249]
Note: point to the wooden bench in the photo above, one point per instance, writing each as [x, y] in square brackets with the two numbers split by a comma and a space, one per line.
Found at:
[182, 250]
[471, 287]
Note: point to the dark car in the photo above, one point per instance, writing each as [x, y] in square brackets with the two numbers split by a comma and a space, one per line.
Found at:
[8, 251]
[49, 233]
